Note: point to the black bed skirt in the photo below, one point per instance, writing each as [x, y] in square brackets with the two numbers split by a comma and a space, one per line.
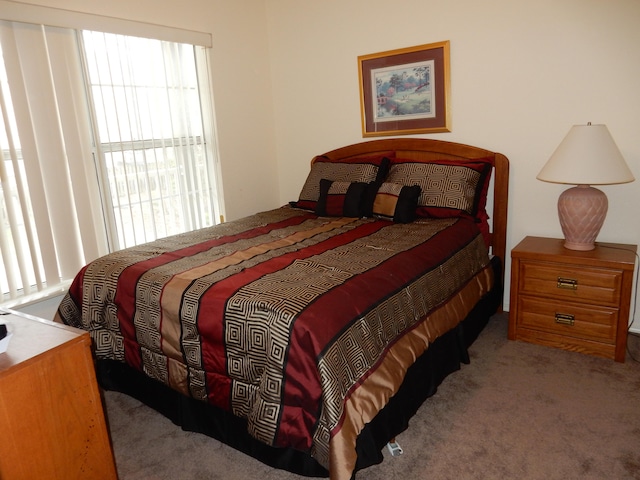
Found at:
[443, 357]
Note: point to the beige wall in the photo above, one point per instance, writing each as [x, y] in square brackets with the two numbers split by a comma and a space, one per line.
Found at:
[522, 73]
[286, 86]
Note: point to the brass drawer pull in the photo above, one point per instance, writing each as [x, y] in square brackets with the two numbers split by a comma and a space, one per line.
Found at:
[565, 319]
[568, 283]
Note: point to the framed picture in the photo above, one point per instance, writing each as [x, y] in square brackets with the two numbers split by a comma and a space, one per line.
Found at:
[405, 91]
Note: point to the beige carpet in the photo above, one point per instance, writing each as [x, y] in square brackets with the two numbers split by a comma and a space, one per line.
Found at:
[518, 411]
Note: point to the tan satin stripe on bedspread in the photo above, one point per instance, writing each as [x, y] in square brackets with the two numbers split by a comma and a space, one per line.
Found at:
[373, 394]
[173, 292]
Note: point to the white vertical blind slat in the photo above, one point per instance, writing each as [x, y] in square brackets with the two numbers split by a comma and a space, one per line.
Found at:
[128, 135]
[137, 133]
[179, 128]
[169, 125]
[191, 140]
[106, 86]
[112, 216]
[43, 250]
[155, 135]
[14, 243]
[6, 242]
[34, 49]
[66, 70]
[214, 193]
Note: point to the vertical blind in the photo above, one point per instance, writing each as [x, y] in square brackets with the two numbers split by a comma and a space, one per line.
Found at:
[43, 113]
[97, 162]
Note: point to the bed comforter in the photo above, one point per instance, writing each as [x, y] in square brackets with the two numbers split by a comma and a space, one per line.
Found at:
[303, 325]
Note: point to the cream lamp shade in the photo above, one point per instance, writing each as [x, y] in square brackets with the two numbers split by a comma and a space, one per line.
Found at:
[587, 156]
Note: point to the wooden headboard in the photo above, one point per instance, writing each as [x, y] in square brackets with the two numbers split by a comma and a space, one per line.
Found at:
[427, 150]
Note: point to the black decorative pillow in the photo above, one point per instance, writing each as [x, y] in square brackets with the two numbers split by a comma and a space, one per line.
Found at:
[396, 202]
[356, 169]
[340, 199]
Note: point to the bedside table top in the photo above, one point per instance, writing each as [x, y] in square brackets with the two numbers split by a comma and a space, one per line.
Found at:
[32, 337]
[619, 255]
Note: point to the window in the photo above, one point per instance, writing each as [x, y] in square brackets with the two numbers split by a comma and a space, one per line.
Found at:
[106, 143]
[151, 136]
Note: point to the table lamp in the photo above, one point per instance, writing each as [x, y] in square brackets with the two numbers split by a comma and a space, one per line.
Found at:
[587, 156]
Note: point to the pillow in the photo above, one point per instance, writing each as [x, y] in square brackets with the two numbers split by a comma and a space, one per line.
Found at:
[395, 202]
[448, 188]
[340, 199]
[357, 169]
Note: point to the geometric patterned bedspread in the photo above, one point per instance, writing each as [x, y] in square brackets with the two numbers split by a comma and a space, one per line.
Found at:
[302, 325]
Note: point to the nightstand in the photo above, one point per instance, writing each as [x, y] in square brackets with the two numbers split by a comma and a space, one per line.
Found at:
[52, 424]
[569, 299]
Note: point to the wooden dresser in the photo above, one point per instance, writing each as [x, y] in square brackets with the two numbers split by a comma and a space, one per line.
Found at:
[569, 299]
[52, 423]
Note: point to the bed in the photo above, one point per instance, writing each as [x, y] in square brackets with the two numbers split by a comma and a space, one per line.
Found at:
[308, 335]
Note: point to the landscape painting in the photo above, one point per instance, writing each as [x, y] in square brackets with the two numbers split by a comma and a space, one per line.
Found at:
[405, 91]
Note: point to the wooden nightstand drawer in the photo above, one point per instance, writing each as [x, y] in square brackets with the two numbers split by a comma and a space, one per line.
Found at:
[569, 319]
[591, 285]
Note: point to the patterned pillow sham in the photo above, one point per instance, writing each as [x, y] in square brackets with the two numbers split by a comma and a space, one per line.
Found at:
[448, 188]
[340, 199]
[357, 169]
[393, 201]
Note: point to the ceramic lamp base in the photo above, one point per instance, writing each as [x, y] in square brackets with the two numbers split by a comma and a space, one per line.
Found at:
[582, 211]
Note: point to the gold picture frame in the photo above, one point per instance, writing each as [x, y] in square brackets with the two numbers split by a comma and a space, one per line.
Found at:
[405, 91]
